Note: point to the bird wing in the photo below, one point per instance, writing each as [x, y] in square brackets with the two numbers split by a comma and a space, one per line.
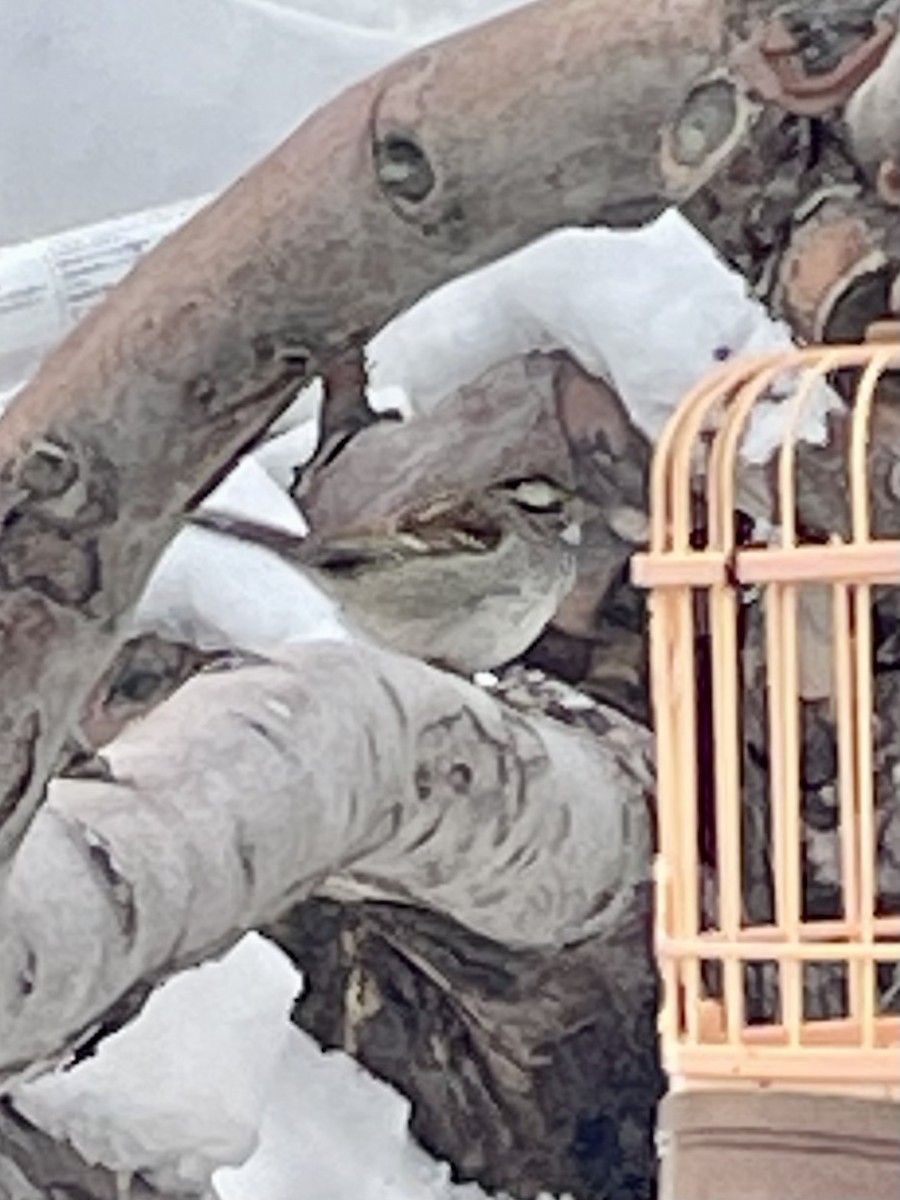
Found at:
[438, 528]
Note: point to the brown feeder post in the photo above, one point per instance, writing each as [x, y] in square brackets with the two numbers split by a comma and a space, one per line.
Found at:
[775, 1105]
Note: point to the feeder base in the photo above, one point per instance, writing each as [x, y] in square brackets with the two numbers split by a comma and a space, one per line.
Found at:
[776, 1145]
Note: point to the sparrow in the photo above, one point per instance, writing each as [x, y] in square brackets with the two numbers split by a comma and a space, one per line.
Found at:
[465, 580]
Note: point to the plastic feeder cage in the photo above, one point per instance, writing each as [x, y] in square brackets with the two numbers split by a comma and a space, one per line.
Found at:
[777, 919]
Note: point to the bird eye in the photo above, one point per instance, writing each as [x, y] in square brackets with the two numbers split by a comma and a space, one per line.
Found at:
[537, 495]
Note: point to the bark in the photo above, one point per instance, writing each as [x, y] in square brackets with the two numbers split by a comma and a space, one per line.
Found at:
[529, 1071]
[423, 171]
[791, 208]
[345, 767]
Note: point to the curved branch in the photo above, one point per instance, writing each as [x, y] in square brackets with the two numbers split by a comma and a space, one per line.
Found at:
[346, 767]
[440, 163]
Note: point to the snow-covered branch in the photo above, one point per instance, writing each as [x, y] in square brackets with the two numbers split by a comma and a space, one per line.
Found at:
[330, 765]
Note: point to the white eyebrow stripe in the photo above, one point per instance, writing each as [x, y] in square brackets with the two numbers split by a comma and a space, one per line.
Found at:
[537, 492]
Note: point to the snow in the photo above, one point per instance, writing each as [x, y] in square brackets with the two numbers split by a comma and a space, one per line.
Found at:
[136, 105]
[650, 310]
[315, 1100]
[213, 1082]
[183, 1089]
[218, 593]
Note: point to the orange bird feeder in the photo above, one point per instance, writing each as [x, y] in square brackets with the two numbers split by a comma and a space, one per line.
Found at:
[773, 1099]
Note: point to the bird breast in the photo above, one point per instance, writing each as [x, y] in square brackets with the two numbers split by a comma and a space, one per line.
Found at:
[466, 611]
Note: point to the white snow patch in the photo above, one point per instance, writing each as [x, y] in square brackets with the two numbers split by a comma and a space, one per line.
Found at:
[650, 310]
[332, 1131]
[212, 1073]
[217, 592]
[181, 1090]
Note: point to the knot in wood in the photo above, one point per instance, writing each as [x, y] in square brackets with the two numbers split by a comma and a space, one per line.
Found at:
[888, 182]
[705, 122]
[59, 563]
[48, 471]
[457, 757]
[717, 123]
[403, 168]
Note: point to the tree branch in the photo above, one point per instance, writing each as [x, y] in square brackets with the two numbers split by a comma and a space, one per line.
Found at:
[440, 163]
[343, 765]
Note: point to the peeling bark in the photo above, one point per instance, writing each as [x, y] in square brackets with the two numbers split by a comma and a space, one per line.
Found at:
[789, 207]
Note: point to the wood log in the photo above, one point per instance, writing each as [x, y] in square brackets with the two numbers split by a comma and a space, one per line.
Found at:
[345, 767]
